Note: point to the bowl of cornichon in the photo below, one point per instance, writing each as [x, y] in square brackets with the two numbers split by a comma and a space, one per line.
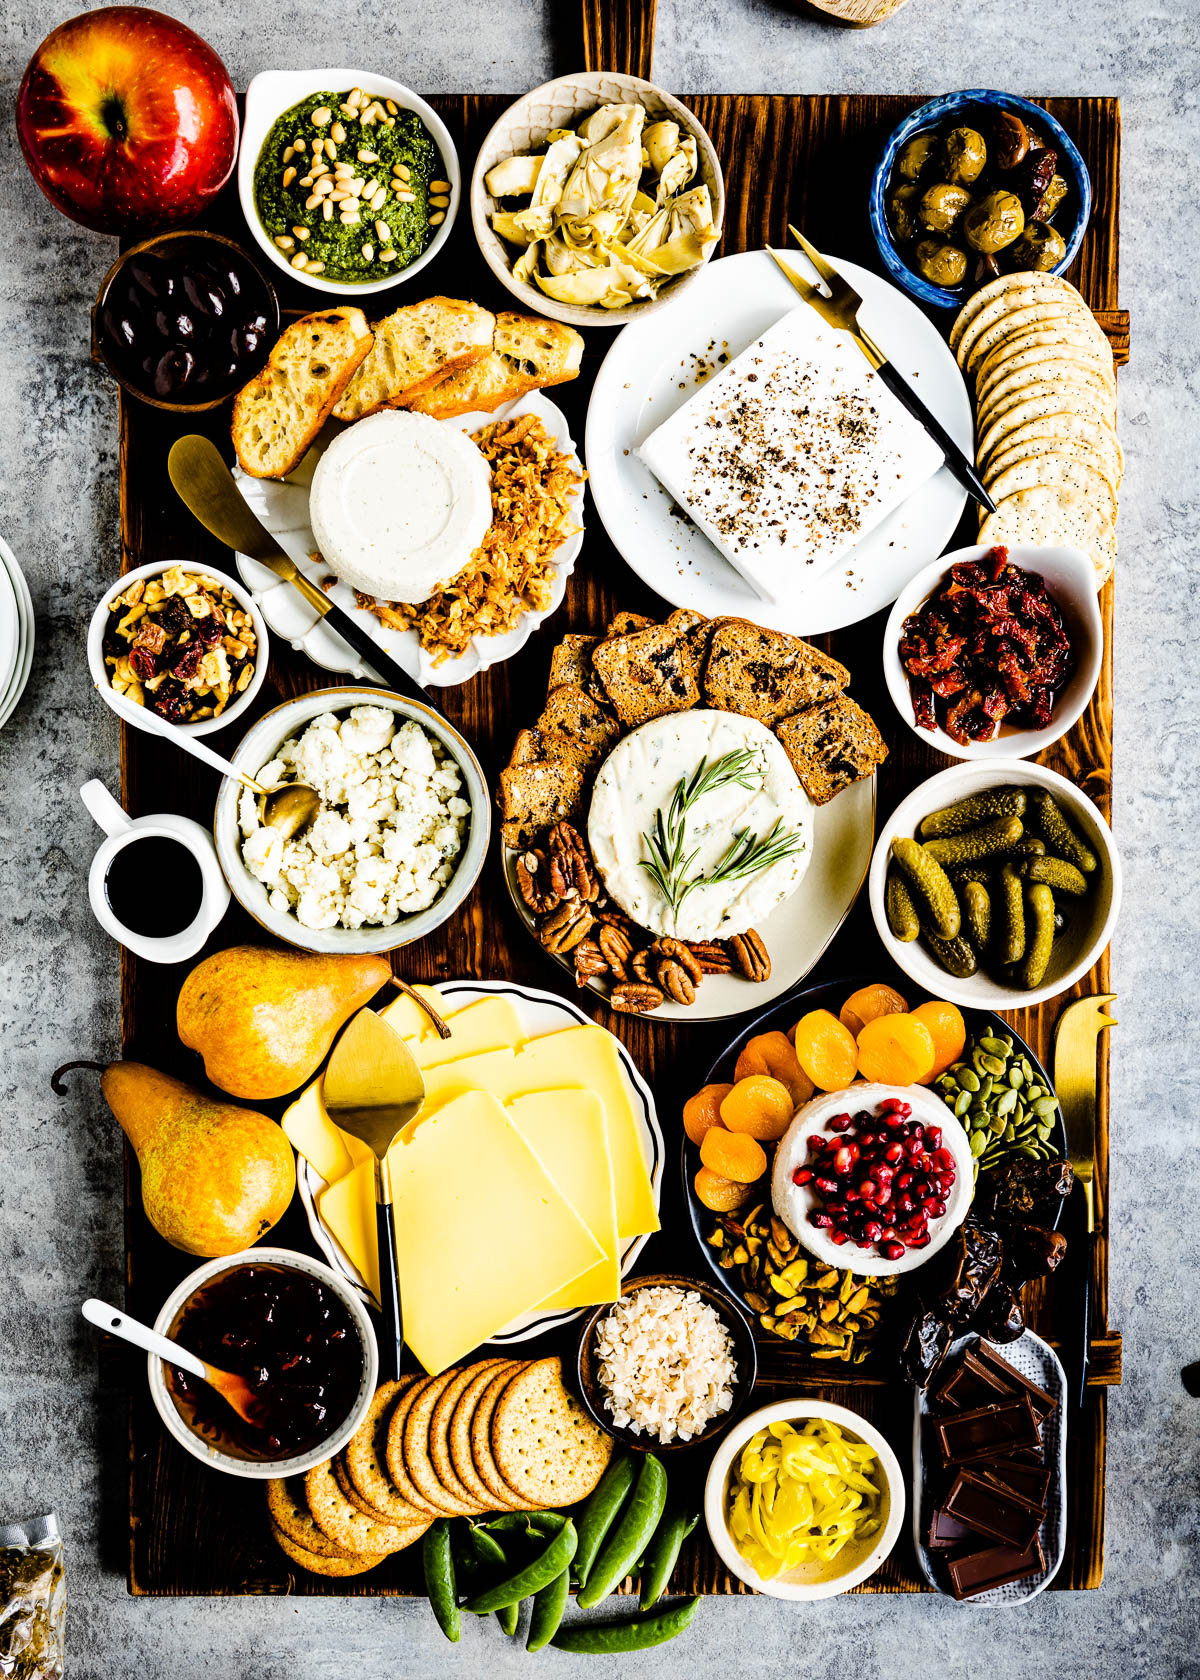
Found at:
[996, 885]
[347, 180]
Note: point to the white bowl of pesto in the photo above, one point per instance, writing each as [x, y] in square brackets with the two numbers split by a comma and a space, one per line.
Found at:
[402, 221]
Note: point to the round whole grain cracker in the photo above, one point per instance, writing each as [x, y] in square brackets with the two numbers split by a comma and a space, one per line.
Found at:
[1000, 297]
[1032, 318]
[481, 1439]
[1061, 371]
[1039, 408]
[394, 1451]
[461, 1424]
[1056, 469]
[1091, 398]
[287, 1504]
[544, 1444]
[1054, 514]
[366, 1458]
[417, 1459]
[1067, 339]
[1030, 449]
[344, 1523]
[1099, 433]
[317, 1563]
[1042, 355]
[356, 1499]
[440, 1425]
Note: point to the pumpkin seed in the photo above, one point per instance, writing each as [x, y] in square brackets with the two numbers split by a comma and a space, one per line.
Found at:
[968, 1080]
[994, 1046]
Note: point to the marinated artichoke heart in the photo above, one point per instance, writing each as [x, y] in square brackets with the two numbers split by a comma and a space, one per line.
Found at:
[591, 233]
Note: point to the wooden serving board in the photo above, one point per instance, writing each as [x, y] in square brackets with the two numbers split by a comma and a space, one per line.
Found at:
[804, 158]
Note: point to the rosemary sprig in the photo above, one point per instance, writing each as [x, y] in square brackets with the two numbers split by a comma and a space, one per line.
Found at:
[668, 866]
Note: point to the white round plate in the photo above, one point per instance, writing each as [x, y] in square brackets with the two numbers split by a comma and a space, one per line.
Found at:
[24, 662]
[10, 630]
[282, 506]
[541, 1012]
[651, 371]
[796, 934]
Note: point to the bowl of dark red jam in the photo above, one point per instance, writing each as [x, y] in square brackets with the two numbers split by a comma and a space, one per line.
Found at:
[184, 320]
[301, 1338]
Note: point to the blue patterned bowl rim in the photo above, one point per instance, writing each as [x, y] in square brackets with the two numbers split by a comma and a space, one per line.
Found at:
[933, 112]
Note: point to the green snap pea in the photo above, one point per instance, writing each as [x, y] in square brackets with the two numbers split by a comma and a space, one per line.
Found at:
[600, 1512]
[548, 1607]
[507, 1617]
[544, 1568]
[638, 1521]
[663, 1551]
[487, 1546]
[636, 1633]
[438, 1566]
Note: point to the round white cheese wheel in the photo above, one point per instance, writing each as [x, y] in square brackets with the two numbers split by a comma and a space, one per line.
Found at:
[639, 778]
[794, 1202]
[399, 503]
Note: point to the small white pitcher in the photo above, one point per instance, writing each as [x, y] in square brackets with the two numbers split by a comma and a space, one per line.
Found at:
[121, 830]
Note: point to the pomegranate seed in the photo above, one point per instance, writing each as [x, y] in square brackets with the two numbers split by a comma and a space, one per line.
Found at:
[894, 1152]
[903, 1180]
[888, 1233]
[913, 1148]
[935, 1209]
[827, 1186]
[821, 1220]
[840, 1123]
[859, 1243]
[919, 1242]
[844, 1158]
[801, 1175]
[943, 1159]
[933, 1136]
[892, 1250]
[838, 1237]
[851, 1193]
[893, 1122]
[889, 1105]
[905, 1109]
[873, 1230]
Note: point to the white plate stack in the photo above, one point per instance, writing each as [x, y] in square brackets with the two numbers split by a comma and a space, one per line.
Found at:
[16, 633]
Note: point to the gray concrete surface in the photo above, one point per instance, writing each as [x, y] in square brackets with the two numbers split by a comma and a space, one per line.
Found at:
[59, 1190]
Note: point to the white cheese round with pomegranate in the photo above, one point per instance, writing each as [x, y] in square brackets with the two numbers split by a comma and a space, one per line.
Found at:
[399, 503]
[794, 1202]
[639, 778]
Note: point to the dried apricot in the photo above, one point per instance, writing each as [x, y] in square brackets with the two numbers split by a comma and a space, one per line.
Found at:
[896, 1050]
[722, 1195]
[733, 1155]
[948, 1031]
[773, 1053]
[704, 1110]
[825, 1050]
[759, 1107]
[868, 1003]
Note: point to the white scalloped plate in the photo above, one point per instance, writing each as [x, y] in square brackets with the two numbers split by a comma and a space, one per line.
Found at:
[541, 1012]
[282, 506]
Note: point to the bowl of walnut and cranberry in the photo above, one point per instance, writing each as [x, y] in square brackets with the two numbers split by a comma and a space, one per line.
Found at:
[182, 640]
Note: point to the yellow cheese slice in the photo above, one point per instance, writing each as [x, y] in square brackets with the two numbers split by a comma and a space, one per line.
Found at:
[408, 1018]
[491, 1070]
[568, 1132]
[482, 1233]
[313, 1134]
[586, 1058]
[490, 1024]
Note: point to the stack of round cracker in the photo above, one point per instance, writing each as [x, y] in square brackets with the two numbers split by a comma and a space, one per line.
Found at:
[499, 1435]
[1045, 407]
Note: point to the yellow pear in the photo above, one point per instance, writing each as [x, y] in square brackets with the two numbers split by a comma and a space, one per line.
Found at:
[264, 1019]
[215, 1177]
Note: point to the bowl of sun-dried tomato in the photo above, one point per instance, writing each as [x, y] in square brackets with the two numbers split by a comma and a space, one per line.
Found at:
[183, 639]
[995, 652]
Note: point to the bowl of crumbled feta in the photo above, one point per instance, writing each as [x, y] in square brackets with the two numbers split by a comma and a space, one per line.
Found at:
[399, 840]
[667, 1366]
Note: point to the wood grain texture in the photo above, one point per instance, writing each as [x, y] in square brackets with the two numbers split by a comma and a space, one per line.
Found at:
[808, 159]
[619, 35]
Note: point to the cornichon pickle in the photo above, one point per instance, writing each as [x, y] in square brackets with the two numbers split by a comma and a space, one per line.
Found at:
[930, 886]
[901, 911]
[1061, 838]
[1010, 911]
[955, 955]
[975, 843]
[977, 913]
[1040, 939]
[1056, 873]
[970, 813]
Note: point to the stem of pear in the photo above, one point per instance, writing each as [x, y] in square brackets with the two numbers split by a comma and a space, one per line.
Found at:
[56, 1084]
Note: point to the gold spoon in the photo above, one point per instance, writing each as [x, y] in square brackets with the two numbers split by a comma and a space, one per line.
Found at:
[234, 1390]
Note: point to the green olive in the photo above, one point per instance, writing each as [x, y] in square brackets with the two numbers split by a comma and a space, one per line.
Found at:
[916, 155]
[902, 211]
[939, 263]
[1052, 198]
[965, 156]
[941, 206]
[995, 222]
[1039, 247]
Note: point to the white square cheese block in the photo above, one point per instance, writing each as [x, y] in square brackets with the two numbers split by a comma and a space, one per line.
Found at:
[790, 455]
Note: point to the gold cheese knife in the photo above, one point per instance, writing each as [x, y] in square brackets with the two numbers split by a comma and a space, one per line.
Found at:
[1075, 1036]
[372, 1089]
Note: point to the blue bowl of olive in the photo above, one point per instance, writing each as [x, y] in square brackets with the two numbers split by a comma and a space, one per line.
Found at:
[974, 185]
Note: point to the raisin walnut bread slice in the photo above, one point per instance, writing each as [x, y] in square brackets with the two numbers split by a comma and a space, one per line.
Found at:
[766, 674]
[831, 746]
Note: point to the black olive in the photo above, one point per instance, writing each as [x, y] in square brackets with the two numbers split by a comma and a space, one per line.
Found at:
[233, 281]
[119, 328]
[249, 341]
[257, 323]
[173, 372]
[203, 297]
[147, 273]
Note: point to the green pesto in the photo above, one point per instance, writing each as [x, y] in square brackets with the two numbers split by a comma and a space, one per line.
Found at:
[340, 247]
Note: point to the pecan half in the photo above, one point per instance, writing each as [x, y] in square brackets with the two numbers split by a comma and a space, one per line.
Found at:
[676, 950]
[572, 872]
[641, 967]
[631, 999]
[616, 947]
[750, 955]
[565, 927]
[675, 980]
[533, 883]
[590, 961]
[712, 955]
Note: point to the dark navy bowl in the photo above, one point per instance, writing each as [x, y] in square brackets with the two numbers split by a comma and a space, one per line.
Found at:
[932, 115]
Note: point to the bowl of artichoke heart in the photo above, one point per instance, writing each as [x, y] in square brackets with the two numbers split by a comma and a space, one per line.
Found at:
[348, 181]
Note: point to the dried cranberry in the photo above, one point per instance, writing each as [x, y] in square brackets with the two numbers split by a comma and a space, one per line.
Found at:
[188, 662]
[143, 663]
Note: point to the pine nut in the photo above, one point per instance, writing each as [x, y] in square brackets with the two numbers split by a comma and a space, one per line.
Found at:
[316, 267]
[299, 260]
[289, 175]
[327, 210]
[349, 219]
[336, 197]
[439, 186]
[387, 256]
[307, 180]
[358, 186]
[311, 202]
[285, 242]
[437, 218]
[289, 153]
[348, 110]
[368, 253]
[344, 170]
[325, 186]
[440, 202]
[392, 107]
[301, 231]
[356, 96]
[382, 232]
[318, 170]
[364, 156]
[378, 198]
[389, 122]
[337, 133]
[402, 170]
[406, 197]
[321, 116]
[300, 145]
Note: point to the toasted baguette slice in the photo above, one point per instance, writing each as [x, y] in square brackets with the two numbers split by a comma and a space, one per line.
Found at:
[527, 354]
[278, 414]
[413, 349]
[831, 746]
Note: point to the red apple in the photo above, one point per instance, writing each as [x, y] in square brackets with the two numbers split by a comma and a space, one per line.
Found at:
[128, 120]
